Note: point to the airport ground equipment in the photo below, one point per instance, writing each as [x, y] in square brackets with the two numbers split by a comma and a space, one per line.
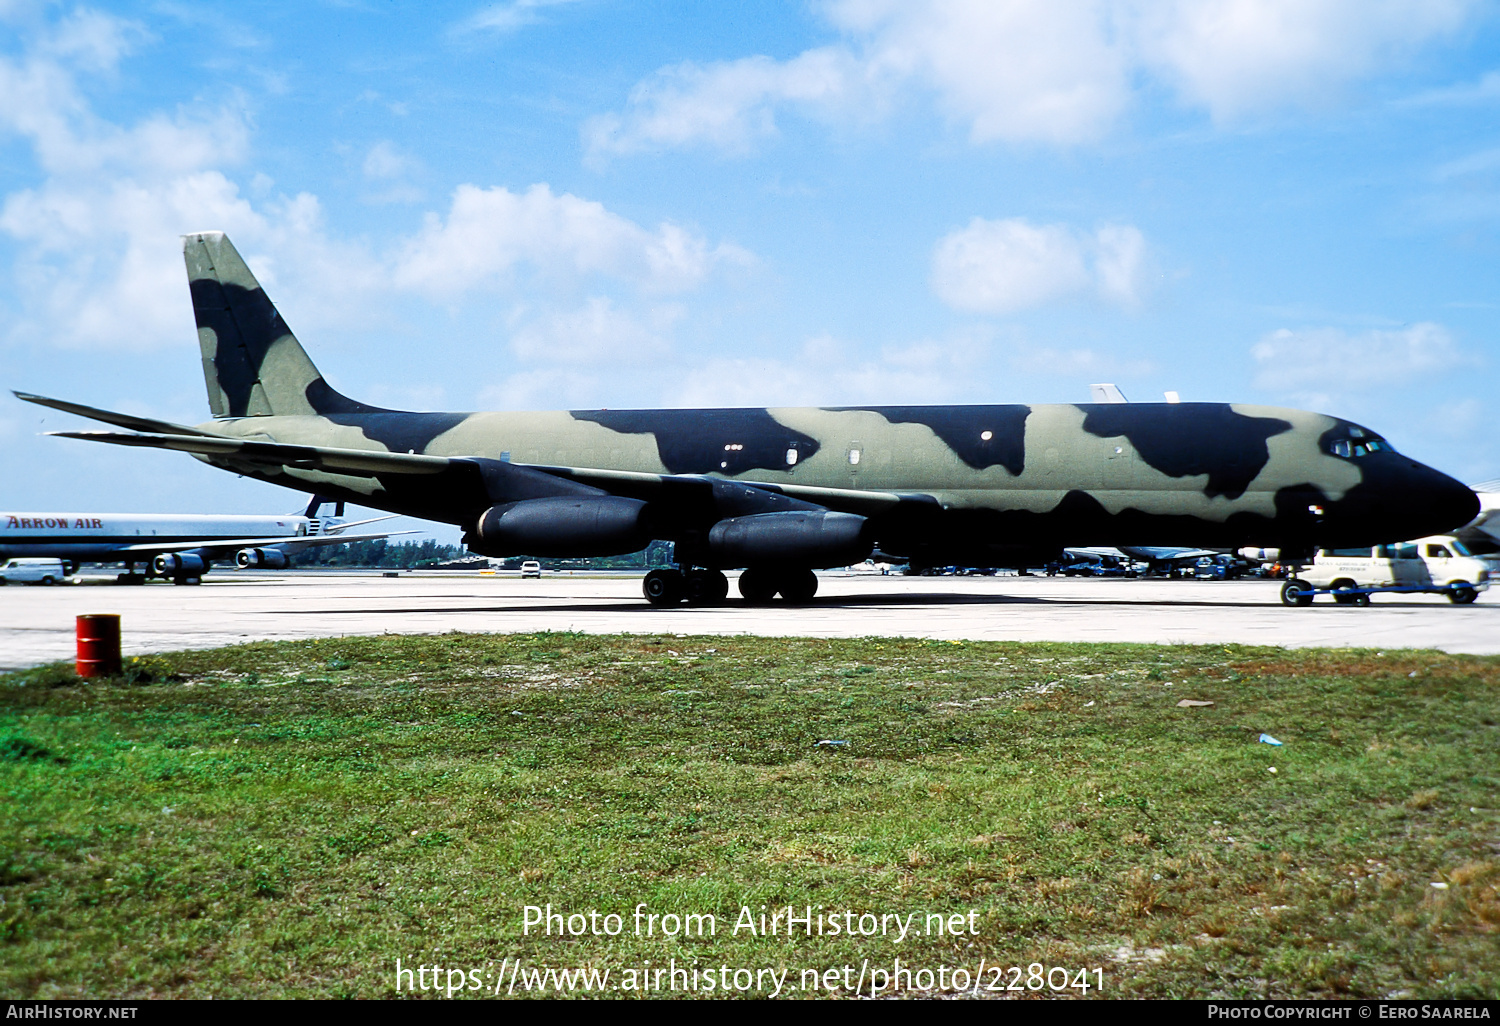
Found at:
[1440, 564]
[1297, 592]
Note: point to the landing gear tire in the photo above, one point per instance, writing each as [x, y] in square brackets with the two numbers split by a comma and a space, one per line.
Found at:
[187, 580]
[799, 586]
[706, 588]
[758, 586]
[663, 587]
[1296, 592]
[1344, 593]
[1461, 593]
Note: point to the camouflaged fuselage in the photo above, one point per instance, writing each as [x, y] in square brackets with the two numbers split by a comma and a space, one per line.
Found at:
[983, 485]
[998, 477]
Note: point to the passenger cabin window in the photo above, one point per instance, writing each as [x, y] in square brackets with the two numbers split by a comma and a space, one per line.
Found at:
[791, 457]
[853, 457]
[1438, 552]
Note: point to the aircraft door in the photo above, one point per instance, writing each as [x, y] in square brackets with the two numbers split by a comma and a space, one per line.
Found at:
[1119, 465]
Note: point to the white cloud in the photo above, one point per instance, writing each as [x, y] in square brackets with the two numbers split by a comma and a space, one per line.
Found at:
[509, 17]
[1236, 57]
[1332, 360]
[1119, 262]
[547, 388]
[98, 262]
[731, 105]
[827, 372]
[1000, 267]
[596, 333]
[1485, 90]
[489, 233]
[389, 169]
[1075, 363]
[1060, 72]
[385, 161]
[1046, 70]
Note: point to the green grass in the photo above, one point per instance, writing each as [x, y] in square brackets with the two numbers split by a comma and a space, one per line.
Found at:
[289, 819]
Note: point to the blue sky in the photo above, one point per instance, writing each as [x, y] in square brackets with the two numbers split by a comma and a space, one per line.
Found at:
[584, 203]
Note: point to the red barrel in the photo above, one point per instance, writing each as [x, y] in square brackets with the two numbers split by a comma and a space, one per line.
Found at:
[99, 645]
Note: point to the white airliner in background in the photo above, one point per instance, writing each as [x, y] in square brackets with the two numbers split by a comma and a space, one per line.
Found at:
[179, 546]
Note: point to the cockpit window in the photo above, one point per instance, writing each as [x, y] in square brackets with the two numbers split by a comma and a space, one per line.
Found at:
[1354, 448]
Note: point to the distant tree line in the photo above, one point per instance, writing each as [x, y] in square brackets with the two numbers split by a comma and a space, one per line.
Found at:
[379, 552]
[402, 555]
[658, 553]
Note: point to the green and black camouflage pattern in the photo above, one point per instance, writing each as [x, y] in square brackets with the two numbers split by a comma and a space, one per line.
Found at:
[981, 485]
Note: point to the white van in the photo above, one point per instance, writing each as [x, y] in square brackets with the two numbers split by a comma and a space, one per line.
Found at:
[33, 571]
[1439, 564]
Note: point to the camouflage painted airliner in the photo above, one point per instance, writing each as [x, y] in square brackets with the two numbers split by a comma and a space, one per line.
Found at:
[780, 492]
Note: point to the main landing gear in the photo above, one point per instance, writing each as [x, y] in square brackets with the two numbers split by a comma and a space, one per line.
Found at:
[758, 585]
[696, 587]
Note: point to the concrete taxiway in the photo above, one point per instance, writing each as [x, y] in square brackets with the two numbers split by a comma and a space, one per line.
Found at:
[37, 624]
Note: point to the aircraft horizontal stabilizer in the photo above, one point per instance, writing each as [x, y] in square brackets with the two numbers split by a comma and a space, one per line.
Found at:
[361, 462]
[123, 420]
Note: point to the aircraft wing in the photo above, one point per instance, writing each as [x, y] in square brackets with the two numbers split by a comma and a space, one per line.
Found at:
[504, 482]
[663, 486]
[283, 541]
[1164, 554]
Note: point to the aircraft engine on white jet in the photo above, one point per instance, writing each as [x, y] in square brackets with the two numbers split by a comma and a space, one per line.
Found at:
[261, 559]
[180, 564]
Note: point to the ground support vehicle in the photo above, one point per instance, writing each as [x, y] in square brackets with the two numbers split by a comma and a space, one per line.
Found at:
[33, 571]
[1297, 592]
[1441, 565]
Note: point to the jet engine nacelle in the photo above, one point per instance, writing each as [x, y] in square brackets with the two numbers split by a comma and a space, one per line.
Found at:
[807, 539]
[180, 564]
[587, 525]
[262, 559]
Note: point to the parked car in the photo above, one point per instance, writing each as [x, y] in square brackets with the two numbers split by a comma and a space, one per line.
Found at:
[33, 571]
[531, 568]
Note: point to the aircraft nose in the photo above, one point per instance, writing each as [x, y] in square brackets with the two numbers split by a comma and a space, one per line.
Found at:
[1435, 503]
[1401, 499]
[1452, 502]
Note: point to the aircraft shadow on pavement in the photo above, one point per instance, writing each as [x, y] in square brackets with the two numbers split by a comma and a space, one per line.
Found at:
[635, 605]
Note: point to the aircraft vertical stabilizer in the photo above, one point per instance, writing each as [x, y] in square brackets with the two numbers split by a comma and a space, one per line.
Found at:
[252, 363]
